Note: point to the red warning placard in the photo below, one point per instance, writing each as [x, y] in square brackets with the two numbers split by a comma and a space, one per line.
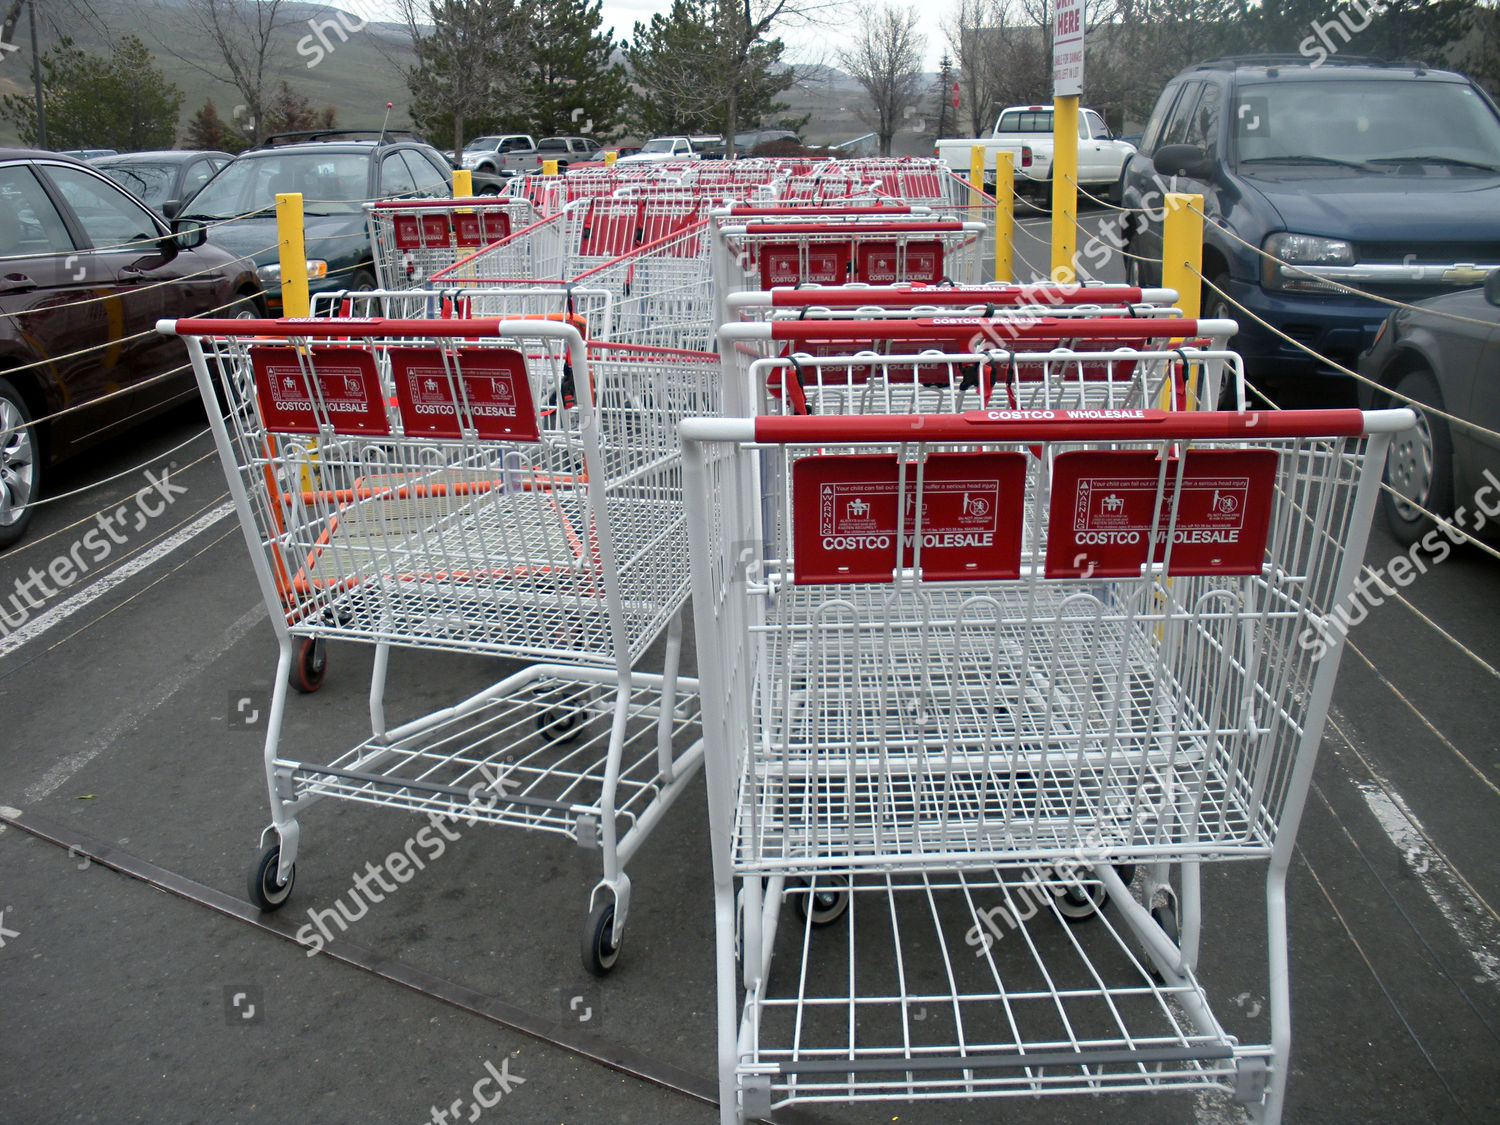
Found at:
[440, 392]
[301, 390]
[781, 263]
[846, 512]
[1104, 503]
[880, 263]
[480, 228]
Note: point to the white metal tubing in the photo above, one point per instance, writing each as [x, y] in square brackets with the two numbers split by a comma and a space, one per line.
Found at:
[683, 768]
[377, 690]
[668, 698]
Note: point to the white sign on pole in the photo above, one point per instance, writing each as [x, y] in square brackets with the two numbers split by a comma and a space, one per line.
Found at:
[1067, 48]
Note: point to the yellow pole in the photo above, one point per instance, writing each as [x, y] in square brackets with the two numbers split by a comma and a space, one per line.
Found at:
[294, 299]
[549, 167]
[610, 158]
[976, 174]
[1005, 216]
[1182, 250]
[1064, 187]
[1182, 263]
[463, 183]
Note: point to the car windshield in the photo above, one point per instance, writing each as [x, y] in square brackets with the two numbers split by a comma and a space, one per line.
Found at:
[331, 183]
[1384, 125]
[659, 144]
[149, 183]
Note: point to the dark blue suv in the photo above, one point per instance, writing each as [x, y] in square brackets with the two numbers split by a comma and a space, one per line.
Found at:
[1380, 177]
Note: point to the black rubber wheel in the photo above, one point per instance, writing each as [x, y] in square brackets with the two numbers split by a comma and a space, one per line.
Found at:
[560, 725]
[822, 907]
[1078, 902]
[1419, 463]
[600, 949]
[266, 894]
[20, 465]
[309, 665]
[1165, 916]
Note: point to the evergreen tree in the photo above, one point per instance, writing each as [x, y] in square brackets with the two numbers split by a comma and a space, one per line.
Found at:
[471, 70]
[205, 130]
[122, 102]
[573, 87]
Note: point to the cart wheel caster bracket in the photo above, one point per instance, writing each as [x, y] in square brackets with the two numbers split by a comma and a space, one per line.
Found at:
[601, 945]
[266, 894]
[821, 907]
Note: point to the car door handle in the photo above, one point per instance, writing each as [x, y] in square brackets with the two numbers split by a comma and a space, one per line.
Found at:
[16, 283]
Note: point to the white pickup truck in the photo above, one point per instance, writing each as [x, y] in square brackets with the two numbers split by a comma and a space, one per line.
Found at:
[1025, 131]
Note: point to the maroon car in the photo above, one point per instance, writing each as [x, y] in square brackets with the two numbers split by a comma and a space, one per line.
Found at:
[86, 271]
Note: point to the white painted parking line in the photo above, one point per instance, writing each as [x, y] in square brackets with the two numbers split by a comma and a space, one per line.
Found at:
[57, 614]
[142, 707]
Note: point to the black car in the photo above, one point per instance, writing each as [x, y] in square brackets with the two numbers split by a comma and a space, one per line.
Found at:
[1444, 354]
[161, 179]
[1380, 177]
[86, 271]
[336, 172]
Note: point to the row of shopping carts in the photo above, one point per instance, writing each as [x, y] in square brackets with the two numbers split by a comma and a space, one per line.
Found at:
[988, 613]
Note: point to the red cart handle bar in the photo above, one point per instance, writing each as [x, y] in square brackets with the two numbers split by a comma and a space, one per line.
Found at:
[1062, 425]
[1006, 296]
[856, 227]
[998, 330]
[365, 326]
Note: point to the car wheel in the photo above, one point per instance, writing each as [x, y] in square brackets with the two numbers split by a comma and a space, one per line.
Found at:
[20, 464]
[245, 307]
[1419, 462]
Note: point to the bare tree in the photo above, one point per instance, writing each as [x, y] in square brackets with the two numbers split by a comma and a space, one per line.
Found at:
[244, 36]
[886, 60]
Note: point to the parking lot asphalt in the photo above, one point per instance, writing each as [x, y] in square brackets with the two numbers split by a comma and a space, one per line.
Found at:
[136, 984]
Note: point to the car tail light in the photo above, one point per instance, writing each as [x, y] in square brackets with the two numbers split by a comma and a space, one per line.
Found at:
[1025, 156]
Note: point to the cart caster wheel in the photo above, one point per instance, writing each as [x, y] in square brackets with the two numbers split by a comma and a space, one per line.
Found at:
[560, 725]
[265, 892]
[309, 665]
[600, 948]
[1080, 902]
[822, 907]
[1166, 917]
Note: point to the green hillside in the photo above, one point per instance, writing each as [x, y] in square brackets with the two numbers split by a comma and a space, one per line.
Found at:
[357, 77]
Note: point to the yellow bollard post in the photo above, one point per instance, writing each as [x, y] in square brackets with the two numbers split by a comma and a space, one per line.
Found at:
[1182, 250]
[1005, 217]
[549, 167]
[1064, 187]
[1182, 263]
[610, 158]
[976, 175]
[463, 183]
[294, 298]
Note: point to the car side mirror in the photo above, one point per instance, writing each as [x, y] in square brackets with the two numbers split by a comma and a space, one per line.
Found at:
[1492, 288]
[1183, 160]
[186, 237]
[171, 208]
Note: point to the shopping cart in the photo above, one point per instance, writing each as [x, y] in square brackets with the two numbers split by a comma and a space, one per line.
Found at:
[958, 668]
[414, 238]
[479, 486]
[763, 253]
[659, 291]
[918, 364]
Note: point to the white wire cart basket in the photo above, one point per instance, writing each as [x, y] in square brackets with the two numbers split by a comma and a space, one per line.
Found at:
[960, 673]
[918, 363]
[414, 238]
[482, 486]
